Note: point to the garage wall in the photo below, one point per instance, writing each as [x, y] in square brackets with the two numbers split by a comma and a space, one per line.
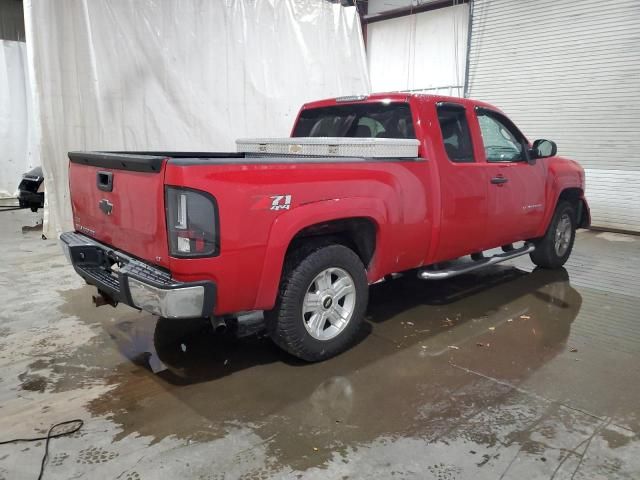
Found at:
[423, 52]
[570, 72]
[180, 75]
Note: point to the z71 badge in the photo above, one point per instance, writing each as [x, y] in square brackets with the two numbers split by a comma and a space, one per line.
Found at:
[281, 202]
[274, 203]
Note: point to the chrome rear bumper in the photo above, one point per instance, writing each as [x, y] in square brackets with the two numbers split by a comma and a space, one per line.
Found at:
[142, 286]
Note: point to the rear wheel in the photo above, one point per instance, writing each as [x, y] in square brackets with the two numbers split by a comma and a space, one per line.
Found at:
[553, 250]
[322, 301]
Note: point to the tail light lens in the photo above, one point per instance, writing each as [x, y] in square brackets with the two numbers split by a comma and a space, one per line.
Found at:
[192, 223]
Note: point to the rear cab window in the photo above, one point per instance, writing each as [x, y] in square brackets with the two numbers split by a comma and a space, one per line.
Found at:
[456, 135]
[366, 120]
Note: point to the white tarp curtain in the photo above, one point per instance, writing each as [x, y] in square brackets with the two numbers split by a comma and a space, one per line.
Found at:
[422, 52]
[180, 74]
[16, 132]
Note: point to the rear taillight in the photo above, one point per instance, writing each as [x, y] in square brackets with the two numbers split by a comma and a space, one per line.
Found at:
[192, 223]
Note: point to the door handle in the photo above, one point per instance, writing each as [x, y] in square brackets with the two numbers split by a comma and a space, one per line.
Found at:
[499, 180]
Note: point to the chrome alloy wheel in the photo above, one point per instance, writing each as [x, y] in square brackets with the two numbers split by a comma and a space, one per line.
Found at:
[563, 235]
[329, 303]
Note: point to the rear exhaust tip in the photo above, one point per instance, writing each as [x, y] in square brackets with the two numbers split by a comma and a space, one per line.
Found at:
[220, 329]
[219, 325]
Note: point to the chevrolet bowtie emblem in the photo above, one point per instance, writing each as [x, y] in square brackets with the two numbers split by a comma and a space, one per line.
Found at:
[106, 206]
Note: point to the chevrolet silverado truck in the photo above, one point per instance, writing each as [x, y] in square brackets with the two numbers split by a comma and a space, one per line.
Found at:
[301, 233]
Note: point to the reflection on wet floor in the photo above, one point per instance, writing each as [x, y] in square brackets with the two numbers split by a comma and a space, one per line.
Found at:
[403, 312]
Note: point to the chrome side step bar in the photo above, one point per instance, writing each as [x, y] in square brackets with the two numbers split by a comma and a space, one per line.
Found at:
[426, 274]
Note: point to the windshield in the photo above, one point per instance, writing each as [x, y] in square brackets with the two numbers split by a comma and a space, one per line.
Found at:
[371, 120]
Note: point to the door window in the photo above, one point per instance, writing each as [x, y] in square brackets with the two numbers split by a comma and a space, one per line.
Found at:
[455, 133]
[502, 141]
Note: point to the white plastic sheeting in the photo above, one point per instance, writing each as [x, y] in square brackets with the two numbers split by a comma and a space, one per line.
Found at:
[422, 52]
[180, 74]
[16, 135]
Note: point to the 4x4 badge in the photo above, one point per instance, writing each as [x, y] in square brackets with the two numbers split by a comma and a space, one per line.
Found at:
[106, 206]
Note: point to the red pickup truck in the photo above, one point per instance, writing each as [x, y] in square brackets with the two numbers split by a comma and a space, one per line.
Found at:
[213, 235]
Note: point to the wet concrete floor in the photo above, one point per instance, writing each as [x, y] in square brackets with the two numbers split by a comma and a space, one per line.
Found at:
[513, 373]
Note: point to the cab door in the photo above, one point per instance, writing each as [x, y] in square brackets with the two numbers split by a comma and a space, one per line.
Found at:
[516, 200]
[464, 184]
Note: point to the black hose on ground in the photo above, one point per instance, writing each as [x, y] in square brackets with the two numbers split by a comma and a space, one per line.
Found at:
[79, 423]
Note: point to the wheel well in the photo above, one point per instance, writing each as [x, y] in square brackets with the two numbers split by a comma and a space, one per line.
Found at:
[359, 234]
[571, 194]
[574, 196]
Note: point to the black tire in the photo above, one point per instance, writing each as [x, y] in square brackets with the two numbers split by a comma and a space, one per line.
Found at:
[286, 323]
[545, 255]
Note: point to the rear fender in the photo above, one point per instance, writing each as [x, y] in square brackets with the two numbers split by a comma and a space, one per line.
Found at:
[288, 224]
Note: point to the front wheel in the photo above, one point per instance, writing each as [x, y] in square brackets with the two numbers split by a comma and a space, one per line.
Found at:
[321, 305]
[553, 250]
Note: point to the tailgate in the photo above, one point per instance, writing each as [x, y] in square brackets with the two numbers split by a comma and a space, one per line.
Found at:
[118, 199]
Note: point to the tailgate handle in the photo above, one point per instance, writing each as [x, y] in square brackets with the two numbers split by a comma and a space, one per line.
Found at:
[105, 181]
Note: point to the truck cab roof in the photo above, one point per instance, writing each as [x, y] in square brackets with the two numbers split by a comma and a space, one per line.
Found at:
[396, 97]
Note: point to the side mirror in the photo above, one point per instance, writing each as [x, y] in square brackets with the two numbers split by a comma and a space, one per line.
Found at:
[544, 148]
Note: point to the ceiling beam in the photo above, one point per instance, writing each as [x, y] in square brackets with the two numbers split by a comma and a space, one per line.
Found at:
[404, 11]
